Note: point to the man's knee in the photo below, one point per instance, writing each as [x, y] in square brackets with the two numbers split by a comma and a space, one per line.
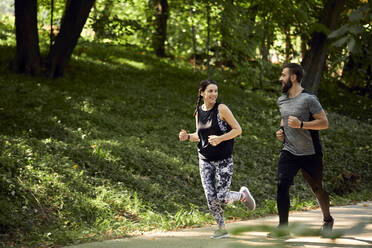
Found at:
[316, 187]
[283, 186]
[319, 191]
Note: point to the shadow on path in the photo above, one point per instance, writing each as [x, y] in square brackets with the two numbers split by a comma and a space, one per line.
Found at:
[354, 222]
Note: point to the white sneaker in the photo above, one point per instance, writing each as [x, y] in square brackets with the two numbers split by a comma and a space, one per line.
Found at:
[248, 200]
[220, 234]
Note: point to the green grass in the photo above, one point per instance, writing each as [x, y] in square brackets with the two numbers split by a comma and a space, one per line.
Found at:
[95, 155]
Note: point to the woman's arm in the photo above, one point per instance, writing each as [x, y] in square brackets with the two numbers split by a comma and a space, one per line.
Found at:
[227, 116]
[193, 137]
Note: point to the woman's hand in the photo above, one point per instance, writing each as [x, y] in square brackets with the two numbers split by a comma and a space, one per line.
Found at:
[183, 135]
[214, 140]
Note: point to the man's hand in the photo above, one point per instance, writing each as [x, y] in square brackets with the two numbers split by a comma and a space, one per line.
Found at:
[214, 140]
[280, 135]
[294, 122]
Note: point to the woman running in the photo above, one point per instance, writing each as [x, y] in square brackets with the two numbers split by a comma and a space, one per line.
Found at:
[216, 128]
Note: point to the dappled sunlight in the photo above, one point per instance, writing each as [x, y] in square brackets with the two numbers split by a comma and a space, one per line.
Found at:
[319, 242]
[95, 154]
[87, 107]
[254, 234]
[136, 64]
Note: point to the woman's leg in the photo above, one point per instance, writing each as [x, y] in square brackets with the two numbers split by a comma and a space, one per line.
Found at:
[208, 178]
[224, 172]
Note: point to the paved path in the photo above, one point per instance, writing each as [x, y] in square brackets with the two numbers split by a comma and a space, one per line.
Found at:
[345, 218]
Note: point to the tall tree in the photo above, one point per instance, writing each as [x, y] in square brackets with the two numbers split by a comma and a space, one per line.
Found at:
[73, 20]
[314, 60]
[27, 59]
[101, 17]
[161, 17]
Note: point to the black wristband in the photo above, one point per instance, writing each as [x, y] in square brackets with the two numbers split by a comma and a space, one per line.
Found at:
[188, 137]
[302, 124]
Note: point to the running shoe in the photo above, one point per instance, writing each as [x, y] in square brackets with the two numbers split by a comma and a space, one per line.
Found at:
[280, 232]
[248, 199]
[328, 224]
[220, 233]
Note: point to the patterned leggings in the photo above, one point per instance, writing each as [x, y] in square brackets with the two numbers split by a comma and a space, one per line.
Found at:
[216, 179]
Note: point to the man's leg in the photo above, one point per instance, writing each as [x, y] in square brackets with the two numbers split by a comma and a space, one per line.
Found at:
[287, 170]
[313, 174]
[283, 202]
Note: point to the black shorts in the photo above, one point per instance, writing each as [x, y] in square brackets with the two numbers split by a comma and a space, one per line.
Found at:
[290, 164]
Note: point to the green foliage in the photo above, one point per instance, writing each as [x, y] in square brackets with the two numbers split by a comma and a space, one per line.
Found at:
[95, 155]
[350, 34]
[120, 22]
[356, 37]
[7, 34]
[336, 98]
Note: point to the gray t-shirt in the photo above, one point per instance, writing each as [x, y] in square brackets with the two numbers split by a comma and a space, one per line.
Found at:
[300, 141]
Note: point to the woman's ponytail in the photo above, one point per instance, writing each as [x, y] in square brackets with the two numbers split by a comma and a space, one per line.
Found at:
[198, 102]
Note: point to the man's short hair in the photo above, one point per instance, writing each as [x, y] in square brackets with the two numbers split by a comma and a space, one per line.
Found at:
[296, 69]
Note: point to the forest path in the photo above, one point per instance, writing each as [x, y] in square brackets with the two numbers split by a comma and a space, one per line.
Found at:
[345, 217]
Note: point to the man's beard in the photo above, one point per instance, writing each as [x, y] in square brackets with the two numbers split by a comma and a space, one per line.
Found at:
[287, 85]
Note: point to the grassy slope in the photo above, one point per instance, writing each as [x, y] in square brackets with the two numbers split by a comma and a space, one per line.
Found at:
[96, 154]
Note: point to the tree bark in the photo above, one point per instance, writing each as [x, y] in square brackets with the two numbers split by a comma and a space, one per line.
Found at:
[314, 60]
[288, 44]
[161, 14]
[73, 21]
[303, 46]
[27, 59]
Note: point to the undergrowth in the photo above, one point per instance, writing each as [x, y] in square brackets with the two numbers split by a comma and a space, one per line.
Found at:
[95, 155]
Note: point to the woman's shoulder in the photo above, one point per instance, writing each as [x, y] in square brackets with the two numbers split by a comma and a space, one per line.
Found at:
[223, 109]
[222, 106]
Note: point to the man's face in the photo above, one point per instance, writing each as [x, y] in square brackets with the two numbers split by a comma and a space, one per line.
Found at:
[285, 79]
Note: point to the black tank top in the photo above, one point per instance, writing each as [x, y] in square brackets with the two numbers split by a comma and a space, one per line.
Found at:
[209, 123]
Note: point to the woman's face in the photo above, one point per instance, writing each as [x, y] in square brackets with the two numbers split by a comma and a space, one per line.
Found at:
[210, 94]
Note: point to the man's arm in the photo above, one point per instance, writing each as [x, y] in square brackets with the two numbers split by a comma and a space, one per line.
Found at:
[280, 132]
[320, 122]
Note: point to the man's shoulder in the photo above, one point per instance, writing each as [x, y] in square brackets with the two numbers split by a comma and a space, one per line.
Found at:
[306, 93]
[282, 98]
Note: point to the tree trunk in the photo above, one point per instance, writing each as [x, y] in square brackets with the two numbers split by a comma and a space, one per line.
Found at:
[27, 59]
[161, 14]
[101, 18]
[193, 35]
[225, 29]
[73, 20]
[288, 44]
[314, 60]
[264, 43]
[303, 46]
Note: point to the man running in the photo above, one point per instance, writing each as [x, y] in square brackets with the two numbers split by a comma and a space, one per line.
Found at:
[302, 117]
